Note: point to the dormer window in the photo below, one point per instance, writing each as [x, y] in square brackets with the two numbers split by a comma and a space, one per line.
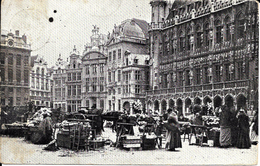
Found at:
[135, 61]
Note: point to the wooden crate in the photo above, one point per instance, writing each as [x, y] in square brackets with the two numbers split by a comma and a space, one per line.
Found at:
[64, 140]
[149, 143]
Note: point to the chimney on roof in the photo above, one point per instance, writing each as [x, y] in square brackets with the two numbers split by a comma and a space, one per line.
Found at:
[17, 32]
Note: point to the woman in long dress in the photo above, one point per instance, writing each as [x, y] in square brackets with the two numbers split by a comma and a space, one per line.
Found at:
[225, 127]
[173, 139]
[243, 140]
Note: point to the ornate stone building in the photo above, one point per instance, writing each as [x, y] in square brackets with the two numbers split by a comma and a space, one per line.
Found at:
[203, 51]
[15, 67]
[94, 72]
[40, 82]
[127, 63]
[59, 77]
[74, 81]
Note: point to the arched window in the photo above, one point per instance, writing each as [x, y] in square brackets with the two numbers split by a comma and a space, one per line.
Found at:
[227, 29]
[240, 26]
[42, 71]
[38, 70]
[218, 31]
[199, 34]
[182, 41]
[207, 37]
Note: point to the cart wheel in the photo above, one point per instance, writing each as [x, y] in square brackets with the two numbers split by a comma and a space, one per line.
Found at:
[36, 137]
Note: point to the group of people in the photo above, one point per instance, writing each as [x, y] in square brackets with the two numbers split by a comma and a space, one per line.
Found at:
[235, 127]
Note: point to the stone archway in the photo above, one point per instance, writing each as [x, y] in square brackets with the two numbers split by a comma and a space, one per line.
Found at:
[163, 106]
[171, 103]
[187, 106]
[206, 100]
[217, 101]
[179, 107]
[241, 101]
[126, 107]
[229, 101]
[156, 105]
[197, 101]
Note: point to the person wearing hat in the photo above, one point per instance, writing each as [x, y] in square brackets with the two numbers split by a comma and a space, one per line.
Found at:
[243, 140]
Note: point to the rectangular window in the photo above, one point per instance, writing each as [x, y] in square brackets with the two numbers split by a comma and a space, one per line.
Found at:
[240, 74]
[101, 87]
[18, 59]
[94, 68]
[10, 59]
[137, 75]
[228, 35]
[218, 34]
[180, 78]
[87, 103]
[188, 81]
[2, 58]
[78, 76]
[119, 53]
[69, 76]
[217, 73]
[74, 76]
[18, 76]
[119, 75]
[26, 60]
[47, 85]
[206, 74]
[114, 55]
[227, 74]
[114, 76]
[198, 79]
[26, 76]
[74, 93]
[110, 56]
[42, 84]
[87, 84]
[182, 44]
[109, 104]
[78, 90]
[137, 89]
[119, 90]
[109, 76]
[63, 92]
[87, 70]
[102, 68]
[37, 83]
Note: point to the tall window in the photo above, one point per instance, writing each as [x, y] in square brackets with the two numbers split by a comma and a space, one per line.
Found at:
[119, 105]
[79, 76]
[26, 76]
[189, 40]
[206, 71]
[119, 75]
[74, 92]
[198, 79]
[217, 73]
[119, 53]
[94, 84]
[227, 29]
[69, 76]
[18, 59]
[18, 75]
[69, 90]
[42, 71]
[206, 27]
[110, 56]
[26, 60]
[227, 72]
[180, 78]
[74, 76]
[102, 68]
[78, 90]
[114, 55]
[240, 27]
[198, 37]
[137, 75]
[2, 58]
[10, 75]
[240, 74]
[87, 70]
[218, 32]
[187, 80]
[10, 59]
[109, 76]
[42, 84]
[114, 76]
[182, 41]
[87, 84]
[94, 68]
[137, 89]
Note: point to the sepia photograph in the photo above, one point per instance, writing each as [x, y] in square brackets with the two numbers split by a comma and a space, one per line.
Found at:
[129, 82]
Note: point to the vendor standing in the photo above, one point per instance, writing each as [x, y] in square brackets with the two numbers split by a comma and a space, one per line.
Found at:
[173, 139]
[46, 127]
[225, 129]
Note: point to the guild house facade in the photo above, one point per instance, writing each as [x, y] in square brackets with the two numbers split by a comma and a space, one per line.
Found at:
[203, 51]
[14, 69]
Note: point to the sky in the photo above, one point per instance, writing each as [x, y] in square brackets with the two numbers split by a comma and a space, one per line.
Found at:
[72, 23]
